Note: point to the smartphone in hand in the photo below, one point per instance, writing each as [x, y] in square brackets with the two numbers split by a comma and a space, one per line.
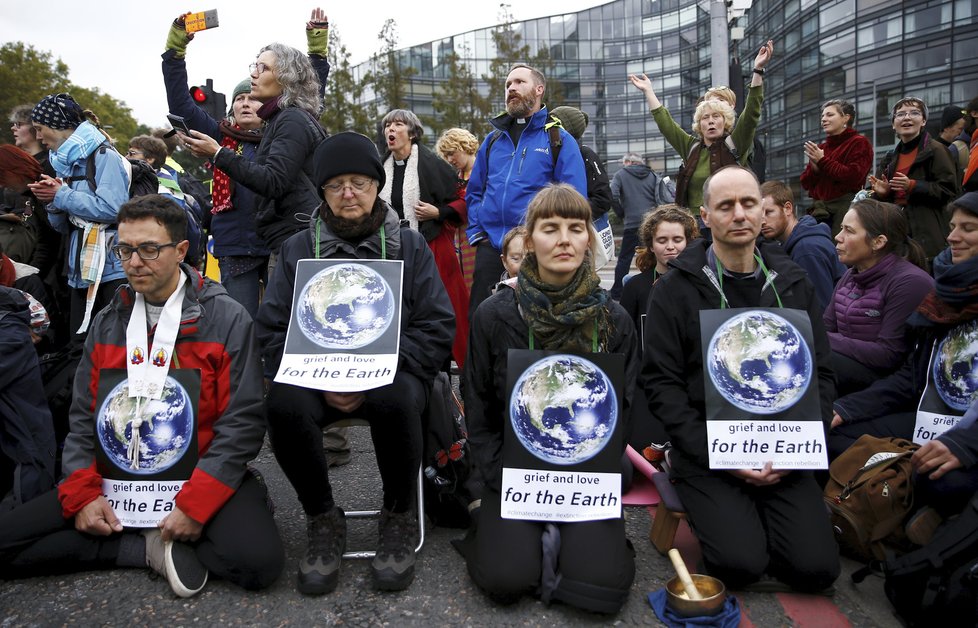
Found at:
[201, 21]
[178, 123]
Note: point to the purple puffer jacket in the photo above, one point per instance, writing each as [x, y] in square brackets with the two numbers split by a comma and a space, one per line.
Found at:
[865, 320]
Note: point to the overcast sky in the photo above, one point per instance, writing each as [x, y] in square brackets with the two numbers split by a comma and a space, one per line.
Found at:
[115, 45]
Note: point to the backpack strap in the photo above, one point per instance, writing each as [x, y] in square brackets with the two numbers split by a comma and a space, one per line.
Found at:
[492, 140]
[728, 141]
[553, 127]
[485, 171]
[89, 170]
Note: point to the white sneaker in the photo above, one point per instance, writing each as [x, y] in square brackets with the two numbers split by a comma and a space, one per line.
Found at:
[177, 562]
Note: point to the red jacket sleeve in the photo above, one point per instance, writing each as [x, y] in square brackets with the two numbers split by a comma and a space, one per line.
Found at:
[80, 489]
[202, 496]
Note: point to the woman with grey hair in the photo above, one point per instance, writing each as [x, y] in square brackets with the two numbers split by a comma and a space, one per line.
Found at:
[284, 81]
[708, 148]
[420, 186]
[241, 254]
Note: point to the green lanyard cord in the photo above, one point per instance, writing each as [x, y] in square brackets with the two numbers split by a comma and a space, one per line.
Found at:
[767, 280]
[383, 240]
[594, 338]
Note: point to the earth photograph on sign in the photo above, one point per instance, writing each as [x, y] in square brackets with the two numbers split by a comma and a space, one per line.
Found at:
[165, 427]
[952, 383]
[759, 362]
[345, 307]
[955, 369]
[564, 409]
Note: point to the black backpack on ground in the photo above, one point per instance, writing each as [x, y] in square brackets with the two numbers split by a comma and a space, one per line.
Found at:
[447, 460]
[937, 585]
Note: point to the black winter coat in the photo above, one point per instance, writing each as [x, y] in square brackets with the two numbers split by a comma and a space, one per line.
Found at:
[936, 184]
[598, 184]
[280, 174]
[27, 441]
[427, 317]
[497, 327]
[672, 370]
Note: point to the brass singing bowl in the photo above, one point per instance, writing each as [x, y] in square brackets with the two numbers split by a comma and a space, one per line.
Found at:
[713, 592]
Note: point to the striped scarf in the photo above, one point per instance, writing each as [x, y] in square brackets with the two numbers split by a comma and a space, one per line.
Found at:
[954, 299]
[79, 145]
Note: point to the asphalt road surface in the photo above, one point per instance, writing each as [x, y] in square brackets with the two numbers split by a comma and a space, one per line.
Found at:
[441, 595]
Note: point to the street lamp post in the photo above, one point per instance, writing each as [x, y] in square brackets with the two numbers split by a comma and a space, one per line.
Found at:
[719, 44]
[873, 83]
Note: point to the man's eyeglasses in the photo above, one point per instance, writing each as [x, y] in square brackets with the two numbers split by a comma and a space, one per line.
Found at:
[146, 252]
[258, 68]
[358, 185]
[138, 154]
[900, 115]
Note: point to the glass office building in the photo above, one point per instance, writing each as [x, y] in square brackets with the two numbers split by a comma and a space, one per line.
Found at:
[843, 48]
[871, 52]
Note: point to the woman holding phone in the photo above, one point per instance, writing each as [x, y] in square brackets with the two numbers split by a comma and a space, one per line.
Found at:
[241, 252]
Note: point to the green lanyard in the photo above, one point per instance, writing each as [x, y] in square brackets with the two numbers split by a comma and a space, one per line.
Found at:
[594, 338]
[767, 280]
[383, 240]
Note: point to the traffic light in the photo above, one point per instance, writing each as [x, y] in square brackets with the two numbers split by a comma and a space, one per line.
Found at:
[213, 103]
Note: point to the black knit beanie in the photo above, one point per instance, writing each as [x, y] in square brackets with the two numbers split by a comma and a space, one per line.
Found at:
[347, 153]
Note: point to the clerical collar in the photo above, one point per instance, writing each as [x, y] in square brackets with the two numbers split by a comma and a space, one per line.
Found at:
[400, 162]
[520, 120]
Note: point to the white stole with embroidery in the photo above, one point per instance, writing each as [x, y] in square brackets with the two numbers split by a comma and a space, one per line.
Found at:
[147, 366]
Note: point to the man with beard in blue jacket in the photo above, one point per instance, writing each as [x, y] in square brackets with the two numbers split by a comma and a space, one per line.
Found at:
[514, 162]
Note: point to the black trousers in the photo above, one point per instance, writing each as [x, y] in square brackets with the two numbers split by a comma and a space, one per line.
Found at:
[852, 376]
[842, 437]
[596, 564]
[746, 531]
[297, 416]
[240, 543]
[103, 296]
[485, 275]
[948, 494]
